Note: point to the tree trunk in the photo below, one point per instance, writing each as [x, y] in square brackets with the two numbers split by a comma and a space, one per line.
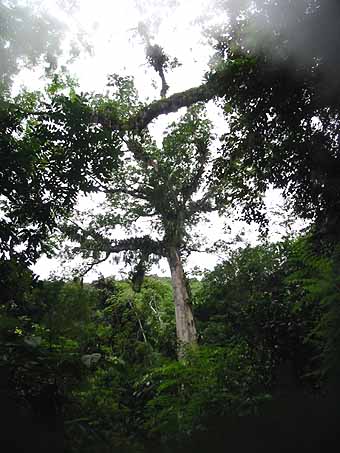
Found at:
[185, 324]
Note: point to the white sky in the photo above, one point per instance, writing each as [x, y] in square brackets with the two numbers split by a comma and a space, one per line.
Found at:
[110, 25]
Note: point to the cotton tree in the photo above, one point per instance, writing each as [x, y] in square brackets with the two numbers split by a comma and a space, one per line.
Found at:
[166, 185]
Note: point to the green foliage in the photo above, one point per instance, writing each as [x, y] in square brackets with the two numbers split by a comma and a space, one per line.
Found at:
[66, 309]
[42, 332]
[282, 107]
[131, 331]
[182, 396]
[141, 324]
[103, 356]
[255, 296]
[281, 103]
[50, 151]
[318, 278]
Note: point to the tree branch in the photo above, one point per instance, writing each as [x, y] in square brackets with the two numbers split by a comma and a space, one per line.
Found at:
[202, 93]
[203, 205]
[93, 264]
[193, 184]
[144, 244]
[133, 193]
[138, 151]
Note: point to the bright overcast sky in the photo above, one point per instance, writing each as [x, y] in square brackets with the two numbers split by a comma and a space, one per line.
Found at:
[177, 27]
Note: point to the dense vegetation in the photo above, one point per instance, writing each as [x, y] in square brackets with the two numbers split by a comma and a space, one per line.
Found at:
[101, 358]
[249, 354]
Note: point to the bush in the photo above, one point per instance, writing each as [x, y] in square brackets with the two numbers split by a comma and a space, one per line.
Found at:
[180, 397]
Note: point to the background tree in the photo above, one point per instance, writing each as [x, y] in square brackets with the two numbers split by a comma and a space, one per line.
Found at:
[259, 295]
[45, 163]
[282, 104]
[282, 107]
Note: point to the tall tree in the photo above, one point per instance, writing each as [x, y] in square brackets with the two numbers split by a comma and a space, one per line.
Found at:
[168, 186]
[241, 77]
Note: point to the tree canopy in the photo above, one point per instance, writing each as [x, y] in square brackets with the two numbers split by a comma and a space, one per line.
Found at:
[283, 109]
[147, 362]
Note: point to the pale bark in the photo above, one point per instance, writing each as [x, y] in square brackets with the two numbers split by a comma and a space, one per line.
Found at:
[185, 324]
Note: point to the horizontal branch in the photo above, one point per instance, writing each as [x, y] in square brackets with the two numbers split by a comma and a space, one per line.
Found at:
[144, 244]
[99, 187]
[202, 93]
[123, 190]
[143, 118]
